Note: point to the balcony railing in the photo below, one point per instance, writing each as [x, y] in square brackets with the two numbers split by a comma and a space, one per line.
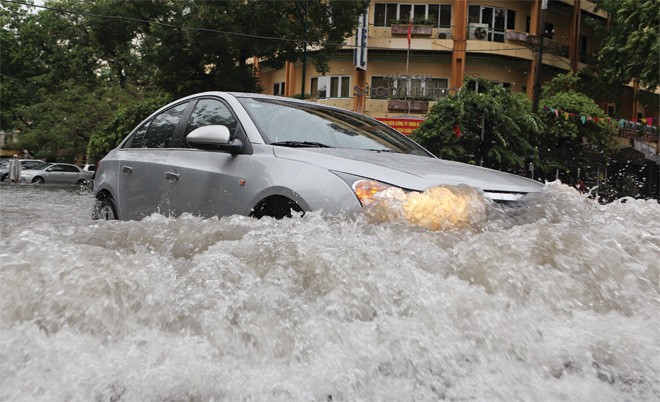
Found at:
[549, 45]
[419, 30]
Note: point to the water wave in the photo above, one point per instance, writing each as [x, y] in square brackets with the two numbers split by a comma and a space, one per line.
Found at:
[555, 299]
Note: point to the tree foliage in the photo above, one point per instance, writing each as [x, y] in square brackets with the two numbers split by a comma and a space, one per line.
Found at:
[71, 72]
[631, 49]
[569, 143]
[497, 127]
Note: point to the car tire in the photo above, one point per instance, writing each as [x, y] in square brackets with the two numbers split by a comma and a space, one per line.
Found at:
[105, 209]
[277, 207]
[38, 180]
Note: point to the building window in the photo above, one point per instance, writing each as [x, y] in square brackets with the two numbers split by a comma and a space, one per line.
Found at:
[408, 87]
[474, 86]
[386, 13]
[380, 87]
[331, 87]
[278, 88]
[611, 109]
[549, 31]
[498, 20]
[583, 49]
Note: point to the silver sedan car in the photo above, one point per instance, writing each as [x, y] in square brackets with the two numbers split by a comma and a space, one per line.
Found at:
[25, 164]
[56, 173]
[219, 154]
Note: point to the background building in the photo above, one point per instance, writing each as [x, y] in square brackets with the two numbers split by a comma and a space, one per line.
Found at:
[402, 69]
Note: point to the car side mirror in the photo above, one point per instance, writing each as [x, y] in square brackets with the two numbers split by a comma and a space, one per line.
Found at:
[215, 137]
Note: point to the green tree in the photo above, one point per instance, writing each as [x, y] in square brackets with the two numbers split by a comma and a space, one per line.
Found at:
[128, 115]
[497, 127]
[631, 49]
[573, 142]
[88, 61]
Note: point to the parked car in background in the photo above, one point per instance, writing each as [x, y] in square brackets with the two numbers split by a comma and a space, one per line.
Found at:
[219, 154]
[89, 168]
[56, 173]
[25, 164]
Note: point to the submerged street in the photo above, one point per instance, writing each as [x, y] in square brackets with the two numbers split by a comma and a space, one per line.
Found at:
[558, 299]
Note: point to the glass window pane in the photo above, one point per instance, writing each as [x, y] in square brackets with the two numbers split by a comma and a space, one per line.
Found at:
[445, 16]
[323, 87]
[210, 112]
[416, 88]
[161, 130]
[390, 13]
[487, 16]
[136, 142]
[345, 87]
[379, 15]
[404, 11]
[473, 14]
[434, 13]
[379, 87]
[419, 11]
[334, 87]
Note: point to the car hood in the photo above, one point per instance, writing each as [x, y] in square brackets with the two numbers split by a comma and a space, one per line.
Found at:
[409, 171]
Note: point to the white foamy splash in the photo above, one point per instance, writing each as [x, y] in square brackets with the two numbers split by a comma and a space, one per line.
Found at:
[558, 299]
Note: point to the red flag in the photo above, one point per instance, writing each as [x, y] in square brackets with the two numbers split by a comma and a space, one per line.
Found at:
[409, 31]
[457, 130]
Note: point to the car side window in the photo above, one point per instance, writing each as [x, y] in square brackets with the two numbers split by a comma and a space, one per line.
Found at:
[209, 112]
[55, 168]
[138, 137]
[161, 129]
[71, 169]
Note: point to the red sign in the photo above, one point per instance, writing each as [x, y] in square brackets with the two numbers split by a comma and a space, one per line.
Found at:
[401, 124]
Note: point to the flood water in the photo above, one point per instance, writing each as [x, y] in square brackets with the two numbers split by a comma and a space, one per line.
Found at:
[556, 300]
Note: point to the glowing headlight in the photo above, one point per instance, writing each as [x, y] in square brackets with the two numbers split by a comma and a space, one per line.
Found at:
[366, 190]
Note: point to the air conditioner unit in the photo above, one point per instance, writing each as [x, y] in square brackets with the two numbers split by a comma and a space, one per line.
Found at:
[478, 31]
[444, 33]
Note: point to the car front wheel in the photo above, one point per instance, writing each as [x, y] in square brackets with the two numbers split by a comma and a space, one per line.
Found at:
[106, 209]
[38, 180]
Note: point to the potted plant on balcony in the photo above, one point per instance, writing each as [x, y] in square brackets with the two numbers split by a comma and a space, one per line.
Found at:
[420, 26]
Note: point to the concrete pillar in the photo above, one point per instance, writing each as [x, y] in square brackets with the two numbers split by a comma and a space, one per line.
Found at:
[460, 44]
[360, 100]
[574, 37]
[289, 79]
[536, 30]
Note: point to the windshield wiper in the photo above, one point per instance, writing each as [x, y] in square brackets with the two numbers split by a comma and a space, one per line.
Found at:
[301, 144]
[383, 150]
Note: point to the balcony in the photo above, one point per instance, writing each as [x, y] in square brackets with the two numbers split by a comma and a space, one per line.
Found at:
[416, 30]
[549, 45]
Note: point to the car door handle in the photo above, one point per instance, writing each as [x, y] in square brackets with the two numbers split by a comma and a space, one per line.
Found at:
[127, 170]
[172, 176]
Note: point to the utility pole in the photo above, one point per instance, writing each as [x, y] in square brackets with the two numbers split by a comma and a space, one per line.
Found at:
[539, 59]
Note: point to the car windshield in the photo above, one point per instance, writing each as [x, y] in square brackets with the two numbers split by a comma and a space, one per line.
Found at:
[294, 124]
